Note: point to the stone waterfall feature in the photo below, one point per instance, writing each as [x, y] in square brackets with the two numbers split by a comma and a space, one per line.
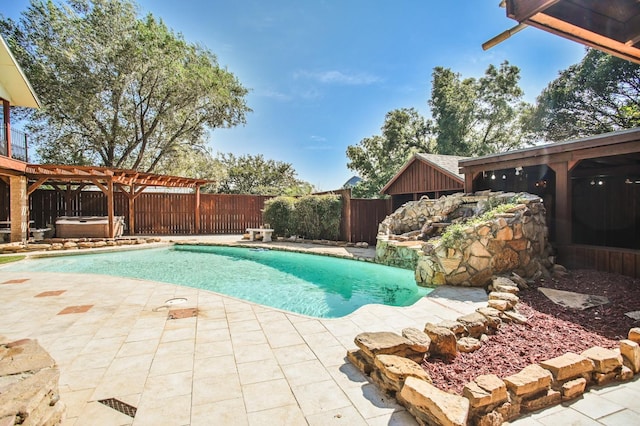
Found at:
[466, 239]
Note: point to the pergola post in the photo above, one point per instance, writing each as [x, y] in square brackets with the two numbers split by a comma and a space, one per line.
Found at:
[110, 208]
[132, 211]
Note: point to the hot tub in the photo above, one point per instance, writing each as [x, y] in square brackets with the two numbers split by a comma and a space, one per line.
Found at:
[88, 226]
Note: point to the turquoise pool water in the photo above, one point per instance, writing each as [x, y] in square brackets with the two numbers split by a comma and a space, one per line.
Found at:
[318, 286]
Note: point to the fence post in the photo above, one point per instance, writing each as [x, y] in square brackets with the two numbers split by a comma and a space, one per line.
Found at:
[197, 210]
[346, 211]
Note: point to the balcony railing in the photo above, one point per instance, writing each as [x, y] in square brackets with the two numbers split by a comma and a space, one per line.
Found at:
[18, 145]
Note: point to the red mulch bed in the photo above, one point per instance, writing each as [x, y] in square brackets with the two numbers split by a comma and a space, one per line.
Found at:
[552, 330]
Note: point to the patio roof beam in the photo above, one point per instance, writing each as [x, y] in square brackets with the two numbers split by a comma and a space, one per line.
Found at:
[36, 185]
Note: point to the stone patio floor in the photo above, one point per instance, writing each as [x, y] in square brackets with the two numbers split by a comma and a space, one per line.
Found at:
[236, 362]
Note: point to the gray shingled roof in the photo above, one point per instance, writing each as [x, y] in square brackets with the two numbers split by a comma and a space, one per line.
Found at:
[446, 162]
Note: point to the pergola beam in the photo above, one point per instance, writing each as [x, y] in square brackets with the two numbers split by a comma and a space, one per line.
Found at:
[106, 179]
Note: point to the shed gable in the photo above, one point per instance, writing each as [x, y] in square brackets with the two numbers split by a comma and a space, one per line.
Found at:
[420, 176]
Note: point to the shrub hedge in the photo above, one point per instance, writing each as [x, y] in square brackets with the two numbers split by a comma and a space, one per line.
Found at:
[311, 216]
[278, 213]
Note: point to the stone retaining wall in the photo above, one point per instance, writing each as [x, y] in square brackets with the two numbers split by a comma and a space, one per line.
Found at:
[514, 240]
[392, 362]
[28, 385]
[56, 244]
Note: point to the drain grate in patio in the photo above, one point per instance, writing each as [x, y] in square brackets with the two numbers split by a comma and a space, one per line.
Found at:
[119, 406]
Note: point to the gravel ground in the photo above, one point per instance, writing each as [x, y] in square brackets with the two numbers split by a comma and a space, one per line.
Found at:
[552, 330]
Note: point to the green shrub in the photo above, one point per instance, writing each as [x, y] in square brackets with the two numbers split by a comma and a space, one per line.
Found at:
[331, 215]
[278, 213]
[455, 234]
[318, 216]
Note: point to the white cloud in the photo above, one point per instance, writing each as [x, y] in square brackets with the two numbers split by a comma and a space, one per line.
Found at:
[274, 94]
[338, 77]
[319, 144]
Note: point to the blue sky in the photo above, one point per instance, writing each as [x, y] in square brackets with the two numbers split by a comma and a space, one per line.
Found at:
[324, 73]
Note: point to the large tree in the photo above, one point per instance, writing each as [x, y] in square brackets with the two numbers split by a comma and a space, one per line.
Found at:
[478, 116]
[253, 174]
[119, 90]
[598, 95]
[377, 158]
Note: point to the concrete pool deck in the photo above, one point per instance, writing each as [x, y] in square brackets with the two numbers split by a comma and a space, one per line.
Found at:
[235, 363]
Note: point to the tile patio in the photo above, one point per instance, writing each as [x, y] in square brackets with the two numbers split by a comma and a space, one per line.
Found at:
[235, 362]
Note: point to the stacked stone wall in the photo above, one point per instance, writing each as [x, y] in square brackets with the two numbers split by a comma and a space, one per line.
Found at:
[514, 240]
[28, 385]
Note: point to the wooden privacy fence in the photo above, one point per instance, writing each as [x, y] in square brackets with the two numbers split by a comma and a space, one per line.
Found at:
[156, 213]
[608, 259]
[230, 214]
[173, 213]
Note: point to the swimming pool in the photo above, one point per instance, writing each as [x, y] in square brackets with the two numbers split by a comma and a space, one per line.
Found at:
[318, 286]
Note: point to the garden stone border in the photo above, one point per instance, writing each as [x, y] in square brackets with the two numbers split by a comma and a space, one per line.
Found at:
[389, 360]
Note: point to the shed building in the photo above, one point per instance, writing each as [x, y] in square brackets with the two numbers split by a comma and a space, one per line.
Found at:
[425, 174]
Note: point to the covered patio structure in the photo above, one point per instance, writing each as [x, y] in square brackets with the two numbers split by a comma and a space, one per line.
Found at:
[70, 180]
[590, 188]
[612, 26]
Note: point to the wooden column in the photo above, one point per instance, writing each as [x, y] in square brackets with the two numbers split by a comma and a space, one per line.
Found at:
[131, 194]
[7, 124]
[563, 203]
[468, 181]
[197, 210]
[132, 211]
[110, 208]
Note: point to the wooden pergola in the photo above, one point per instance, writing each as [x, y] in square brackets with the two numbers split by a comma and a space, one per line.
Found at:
[70, 180]
[612, 26]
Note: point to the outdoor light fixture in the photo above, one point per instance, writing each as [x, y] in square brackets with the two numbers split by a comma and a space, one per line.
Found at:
[504, 177]
[493, 176]
[593, 182]
[628, 181]
[600, 182]
[518, 170]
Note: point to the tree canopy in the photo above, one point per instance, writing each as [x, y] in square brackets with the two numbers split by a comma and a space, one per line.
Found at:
[478, 116]
[470, 117]
[377, 158]
[598, 95]
[253, 174]
[118, 90]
